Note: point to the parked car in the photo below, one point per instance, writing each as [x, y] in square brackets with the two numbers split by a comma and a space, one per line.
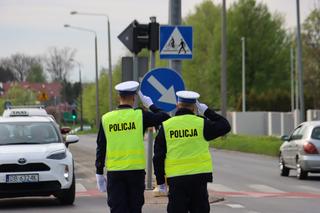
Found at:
[301, 150]
[35, 160]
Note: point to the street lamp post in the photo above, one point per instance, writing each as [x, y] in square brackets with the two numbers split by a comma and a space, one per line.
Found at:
[243, 74]
[96, 62]
[81, 102]
[300, 66]
[109, 50]
[223, 60]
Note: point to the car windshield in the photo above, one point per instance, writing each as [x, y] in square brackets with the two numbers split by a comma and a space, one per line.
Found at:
[27, 133]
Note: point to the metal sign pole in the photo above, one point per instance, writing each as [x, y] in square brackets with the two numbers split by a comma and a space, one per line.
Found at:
[150, 130]
[175, 19]
[135, 73]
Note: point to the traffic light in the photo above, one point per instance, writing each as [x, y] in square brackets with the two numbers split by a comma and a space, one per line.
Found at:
[140, 36]
[74, 114]
[145, 36]
[153, 36]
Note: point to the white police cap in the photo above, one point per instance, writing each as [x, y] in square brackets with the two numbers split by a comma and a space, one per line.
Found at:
[187, 96]
[127, 87]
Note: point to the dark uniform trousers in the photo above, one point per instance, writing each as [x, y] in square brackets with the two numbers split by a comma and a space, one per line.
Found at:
[188, 195]
[126, 191]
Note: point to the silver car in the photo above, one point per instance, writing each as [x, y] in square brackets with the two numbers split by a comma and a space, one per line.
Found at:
[301, 150]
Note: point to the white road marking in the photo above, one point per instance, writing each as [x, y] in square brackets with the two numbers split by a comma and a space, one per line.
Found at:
[235, 206]
[220, 188]
[265, 188]
[80, 188]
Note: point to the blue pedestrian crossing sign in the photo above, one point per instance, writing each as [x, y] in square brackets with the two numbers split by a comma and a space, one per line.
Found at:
[175, 42]
[161, 85]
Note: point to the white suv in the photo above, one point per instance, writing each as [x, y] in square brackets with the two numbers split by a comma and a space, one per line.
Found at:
[34, 159]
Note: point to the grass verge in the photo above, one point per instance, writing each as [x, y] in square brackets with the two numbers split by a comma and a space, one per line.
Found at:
[265, 145]
[91, 131]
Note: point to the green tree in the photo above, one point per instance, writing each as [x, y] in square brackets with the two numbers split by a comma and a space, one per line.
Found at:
[36, 74]
[20, 96]
[6, 74]
[20, 65]
[311, 57]
[89, 95]
[267, 49]
[267, 52]
[202, 72]
[70, 91]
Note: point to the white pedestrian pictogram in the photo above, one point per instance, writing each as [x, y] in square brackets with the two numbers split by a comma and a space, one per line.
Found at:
[176, 44]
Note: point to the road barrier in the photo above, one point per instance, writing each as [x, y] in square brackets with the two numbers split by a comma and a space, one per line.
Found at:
[267, 123]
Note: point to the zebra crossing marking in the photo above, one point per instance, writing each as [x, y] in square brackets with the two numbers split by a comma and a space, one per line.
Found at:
[80, 188]
[235, 206]
[265, 188]
[261, 191]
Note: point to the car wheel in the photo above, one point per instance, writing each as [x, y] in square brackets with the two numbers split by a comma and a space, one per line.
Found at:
[301, 174]
[284, 171]
[67, 196]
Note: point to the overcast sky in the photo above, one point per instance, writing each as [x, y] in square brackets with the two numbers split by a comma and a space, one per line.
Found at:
[32, 26]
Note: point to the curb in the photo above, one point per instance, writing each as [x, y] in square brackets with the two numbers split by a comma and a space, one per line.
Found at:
[150, 199]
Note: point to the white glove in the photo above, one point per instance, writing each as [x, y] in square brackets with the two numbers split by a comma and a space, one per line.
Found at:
[201, 107]
[101, 183]
[146, 101]
[160, 191]
[163, 188]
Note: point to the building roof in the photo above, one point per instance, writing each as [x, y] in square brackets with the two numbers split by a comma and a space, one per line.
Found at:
[51, 89]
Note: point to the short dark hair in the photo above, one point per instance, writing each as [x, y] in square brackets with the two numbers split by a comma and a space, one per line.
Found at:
[190, 106]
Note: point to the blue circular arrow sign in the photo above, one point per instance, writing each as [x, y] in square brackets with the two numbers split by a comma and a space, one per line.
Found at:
[161, 85]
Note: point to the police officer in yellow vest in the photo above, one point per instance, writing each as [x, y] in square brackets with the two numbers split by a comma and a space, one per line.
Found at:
[181, 152]
[120, 149]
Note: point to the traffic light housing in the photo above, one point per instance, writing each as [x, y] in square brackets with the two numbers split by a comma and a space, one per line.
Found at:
[74, 114]
[145, 36]
[140, 36]
[153, 44]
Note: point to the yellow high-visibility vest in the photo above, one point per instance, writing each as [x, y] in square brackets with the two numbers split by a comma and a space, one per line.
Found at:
[187, 150]
[124, 134]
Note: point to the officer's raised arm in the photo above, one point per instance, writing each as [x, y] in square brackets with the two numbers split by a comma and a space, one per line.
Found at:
[182, 153]
[215, 125]
[156, 116]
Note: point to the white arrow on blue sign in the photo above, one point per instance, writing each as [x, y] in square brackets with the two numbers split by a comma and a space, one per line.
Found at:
[161, 85]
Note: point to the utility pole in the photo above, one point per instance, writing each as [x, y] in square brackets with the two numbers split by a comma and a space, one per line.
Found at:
[223, 61]
[243, 74]
[110, 67]
[292, 78]
[300, 66]
[81, 103]
[175, 19]
[97, 83]
[150, 131]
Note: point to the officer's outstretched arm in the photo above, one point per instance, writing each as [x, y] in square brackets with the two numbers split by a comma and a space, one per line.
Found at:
[146, 100]
[215, 125]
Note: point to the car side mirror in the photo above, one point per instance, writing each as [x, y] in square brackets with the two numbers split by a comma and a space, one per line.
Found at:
[285, 137]
[71, 139]
[65, 130]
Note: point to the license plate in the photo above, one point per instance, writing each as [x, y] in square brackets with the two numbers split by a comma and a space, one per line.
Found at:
[23, 178]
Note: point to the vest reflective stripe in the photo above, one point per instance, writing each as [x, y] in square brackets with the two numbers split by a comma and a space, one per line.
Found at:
[187, 150]
[124, 133]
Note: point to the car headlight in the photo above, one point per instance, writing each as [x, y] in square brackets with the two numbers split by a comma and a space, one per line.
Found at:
[58, 156]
